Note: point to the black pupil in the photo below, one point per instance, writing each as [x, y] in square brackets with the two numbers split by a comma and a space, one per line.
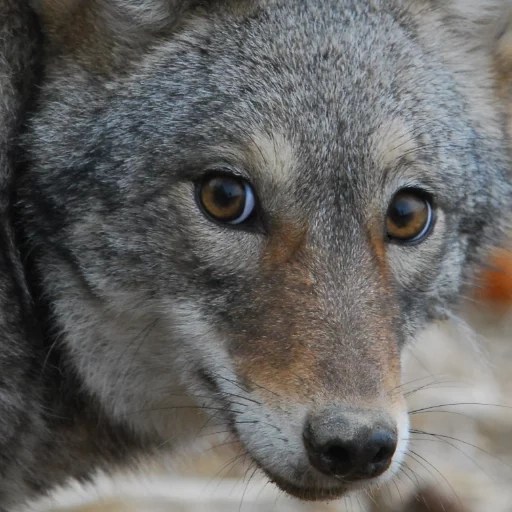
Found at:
[226, 192]
[403, 211]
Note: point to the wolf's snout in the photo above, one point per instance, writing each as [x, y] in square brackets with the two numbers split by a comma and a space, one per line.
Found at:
[355, 444]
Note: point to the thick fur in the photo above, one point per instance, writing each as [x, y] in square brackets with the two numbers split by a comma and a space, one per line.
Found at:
[143, 309]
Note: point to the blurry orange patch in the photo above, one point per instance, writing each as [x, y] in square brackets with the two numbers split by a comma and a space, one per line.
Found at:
[496, 281]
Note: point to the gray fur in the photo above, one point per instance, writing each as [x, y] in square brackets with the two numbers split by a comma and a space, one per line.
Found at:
[327, 107]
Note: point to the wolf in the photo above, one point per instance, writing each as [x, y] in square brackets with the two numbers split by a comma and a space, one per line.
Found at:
[238, 212]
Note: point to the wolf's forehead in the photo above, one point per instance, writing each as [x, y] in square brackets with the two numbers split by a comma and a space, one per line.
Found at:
[276, 154]
[394, 139]
[317, 102]
[281, 155]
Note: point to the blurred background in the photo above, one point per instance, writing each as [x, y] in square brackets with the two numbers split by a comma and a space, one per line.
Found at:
[458, 379]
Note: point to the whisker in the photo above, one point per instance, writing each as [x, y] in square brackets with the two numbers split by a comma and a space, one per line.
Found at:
[459, 404]
[213, 417]
[415, 475]
[229, 465]
[222, 393]
[262, 489]
[178, 407]
[412, 413]
[205, 397]
[403, 470]
[359, 501]
[465, 455]
[254, 383]
[216, 433]
[242, 397]
[370, 496]
[427, 469]
[436, 470]
[218, 445]
[390, 495]
[413, 381]
[246, 487]
[397, 488]
[445, 437]
[433, 385]
[239, 386]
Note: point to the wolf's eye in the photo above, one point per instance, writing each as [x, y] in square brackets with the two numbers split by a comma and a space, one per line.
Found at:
[410, 216]
[226, 198]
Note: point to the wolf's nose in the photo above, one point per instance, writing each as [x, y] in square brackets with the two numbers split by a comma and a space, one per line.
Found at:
[352, 443]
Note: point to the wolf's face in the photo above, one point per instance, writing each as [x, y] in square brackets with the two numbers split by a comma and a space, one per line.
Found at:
[260, 211]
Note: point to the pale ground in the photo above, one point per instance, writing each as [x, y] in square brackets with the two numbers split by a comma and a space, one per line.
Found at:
[452, 369]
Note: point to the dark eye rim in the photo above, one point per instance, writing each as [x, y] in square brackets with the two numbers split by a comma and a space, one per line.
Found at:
[253, 223]
[428, 198]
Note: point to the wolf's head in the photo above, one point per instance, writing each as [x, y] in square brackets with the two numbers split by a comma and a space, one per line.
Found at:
[257, 205]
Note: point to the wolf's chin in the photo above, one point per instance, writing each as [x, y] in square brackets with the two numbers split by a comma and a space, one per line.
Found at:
[334, 491]
[306, 493]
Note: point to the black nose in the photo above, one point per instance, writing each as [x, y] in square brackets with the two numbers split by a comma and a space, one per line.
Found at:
[356, 444]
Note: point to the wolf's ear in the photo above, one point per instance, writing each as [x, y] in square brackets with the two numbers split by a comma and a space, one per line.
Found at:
[503, 55]
[107, 34]
[148, 14]
[482, 23]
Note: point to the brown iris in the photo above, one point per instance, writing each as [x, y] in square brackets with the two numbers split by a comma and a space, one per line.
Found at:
[409, 217]
[226, 198]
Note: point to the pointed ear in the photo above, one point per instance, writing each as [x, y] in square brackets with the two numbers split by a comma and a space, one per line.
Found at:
[106, 34]
[480, 38]
[503, 55]
[484, 23]
[150, 14]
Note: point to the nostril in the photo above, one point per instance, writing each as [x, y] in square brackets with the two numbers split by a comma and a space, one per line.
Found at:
[331, 457]
[382, 447]
[336, 452]
[383, 455]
